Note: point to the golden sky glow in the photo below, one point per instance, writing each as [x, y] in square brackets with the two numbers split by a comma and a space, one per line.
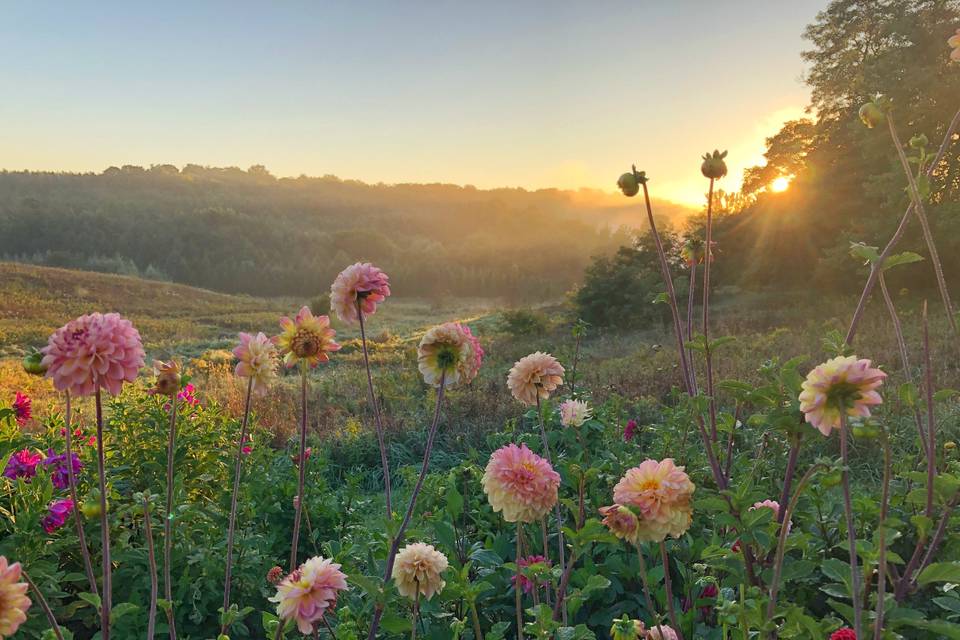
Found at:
[780, 184]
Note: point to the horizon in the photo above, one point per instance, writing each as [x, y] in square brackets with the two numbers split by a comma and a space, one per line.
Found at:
[419, 95]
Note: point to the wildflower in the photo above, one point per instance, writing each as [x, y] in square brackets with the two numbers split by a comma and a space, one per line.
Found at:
[661, 493]
[306, 338]
[954, 43]
[60, 473]
[57, 514]
[257, 357]
[449, 351]
[93, 351]
[361, 282]
[526, 583]
[309, 592]
[22, 408]
[843, 384]
[622, 522]
[13, 598]
[713, 166]
[630, 430]
[22, 464]
[573, 413]
[627, 629]
[844, 633]
[168, 377]
[418, 568]
[653, 633]
[275, 575]
[520, 483]
[533, 376]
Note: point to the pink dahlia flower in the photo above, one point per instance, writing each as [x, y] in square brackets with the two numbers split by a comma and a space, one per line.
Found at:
[773, 505]
[844, 384]
[13, 598]
[309, 592]
[22, 408]
[306, 338]
[630, 430]
[845, 633]
[361, 282]
[661, 493]
[573, 413]
[419, 567]
[520, 483]
[653, 633]
[527, 584]
[57, 514]
[257, 357]
[537, 374]
[449, 351]
[622, 522]
[22, 464]
[94, 351]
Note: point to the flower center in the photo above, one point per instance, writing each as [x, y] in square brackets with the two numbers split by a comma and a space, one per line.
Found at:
[447, 357]
[305, 344]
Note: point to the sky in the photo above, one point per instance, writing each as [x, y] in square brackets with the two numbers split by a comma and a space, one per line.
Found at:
[526, 94]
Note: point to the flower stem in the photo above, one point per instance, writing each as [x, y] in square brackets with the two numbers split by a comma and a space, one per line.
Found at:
[851, 531]
[931, 419]
[668, 585]
[517, 605]
[72, 480]
[106, 601]
[302, 468]
[398, 539]
[882, 553]
[416, 610]
[151, 556]
[646, 591]
[690, 299]
[708, 356]
[231, 525]
[475, 617]
[43, 605]
[378, 418]
[557, 512]
[329, 628]
[168, 520]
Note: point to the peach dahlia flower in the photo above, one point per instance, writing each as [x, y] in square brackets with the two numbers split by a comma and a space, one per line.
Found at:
[520, 483]
[451, 352]
[419, 567]
[535, 375]
[309, 592]
[361, 281]
[660, 492]
[13, 598]
[307, 338]
[573, 413]
[622, 522]
[257, 356]
[843, 384]
[93, 351]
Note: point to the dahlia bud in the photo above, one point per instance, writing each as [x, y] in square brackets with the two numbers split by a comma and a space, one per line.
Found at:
[168, 377]
[871, 114]
[949, 445]
[919, 141]
[713, 166]
[275, 575]
[628, 184]
[627, 629]
[91, 507]
[33, 364]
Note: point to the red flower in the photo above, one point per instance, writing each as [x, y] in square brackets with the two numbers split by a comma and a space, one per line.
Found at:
[845, 633]
[21, 408]
[630, 430]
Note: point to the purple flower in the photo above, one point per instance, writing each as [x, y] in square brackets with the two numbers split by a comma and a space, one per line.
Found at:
[22, 464]
[630, 430]
[60, 473]
[57, 514]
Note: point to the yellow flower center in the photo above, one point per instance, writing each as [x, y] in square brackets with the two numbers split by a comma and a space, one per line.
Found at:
[305, 344]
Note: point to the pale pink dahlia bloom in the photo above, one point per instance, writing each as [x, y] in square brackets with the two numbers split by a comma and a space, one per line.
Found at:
[520, 483]
[844, 383]
[653, 633]
[309, 592]
[573, 413]
[257, 358]
[622, 522]
[13, 598]
[773, 505]
[419, 567]
[361, 281]
[451, 352]
[93, 351]
[660, 492]
[307, 338]
[537, 374]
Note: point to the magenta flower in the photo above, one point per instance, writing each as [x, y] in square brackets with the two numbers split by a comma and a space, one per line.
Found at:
[60, 473]
[186, 395]
[630, 430]
[93, 351]
[22, 408]
[57, 514]
[22, 464]
[361, 282]
[526, 583]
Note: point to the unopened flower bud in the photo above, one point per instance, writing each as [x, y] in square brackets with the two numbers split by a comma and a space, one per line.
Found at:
[628, 184]
[33, 364]
[713, 165]
[950, 445]
[871, 115]
[919, 141]
[168, 377]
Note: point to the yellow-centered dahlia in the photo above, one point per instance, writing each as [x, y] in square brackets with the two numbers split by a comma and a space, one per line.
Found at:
[660, 493]
[451, 353]
[843, 384]
[419, 567]
[13, 599]
[520, 483]
[537, 374]
[306, 338]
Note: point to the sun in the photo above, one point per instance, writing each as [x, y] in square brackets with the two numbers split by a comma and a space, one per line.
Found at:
[780, 184]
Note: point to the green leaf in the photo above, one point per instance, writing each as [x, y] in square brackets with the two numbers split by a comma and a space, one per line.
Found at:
[907, 257]
[122, 609]
[864, 251]
[454, 501]
[940, 572]
[945, 394]
[908, 394]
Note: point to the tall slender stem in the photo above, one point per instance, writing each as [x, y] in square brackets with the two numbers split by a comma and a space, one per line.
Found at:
[106, 566]
[43, 605]
[546, 554]
[302, 468]
[690, 298]
[851, 530]
[231, 525]
[168, 520]
[708, 356]
[416, 610]
[152, 558]
[668, 585]
[931, 421]
[558, 514]
[882, 532]
[646, 592]
[475, 618]
[788, 475]
[398, 539]
[378, 418]
[72, 481]
[517, 605]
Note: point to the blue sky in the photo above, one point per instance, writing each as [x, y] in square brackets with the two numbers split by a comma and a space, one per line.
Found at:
[530, 94]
